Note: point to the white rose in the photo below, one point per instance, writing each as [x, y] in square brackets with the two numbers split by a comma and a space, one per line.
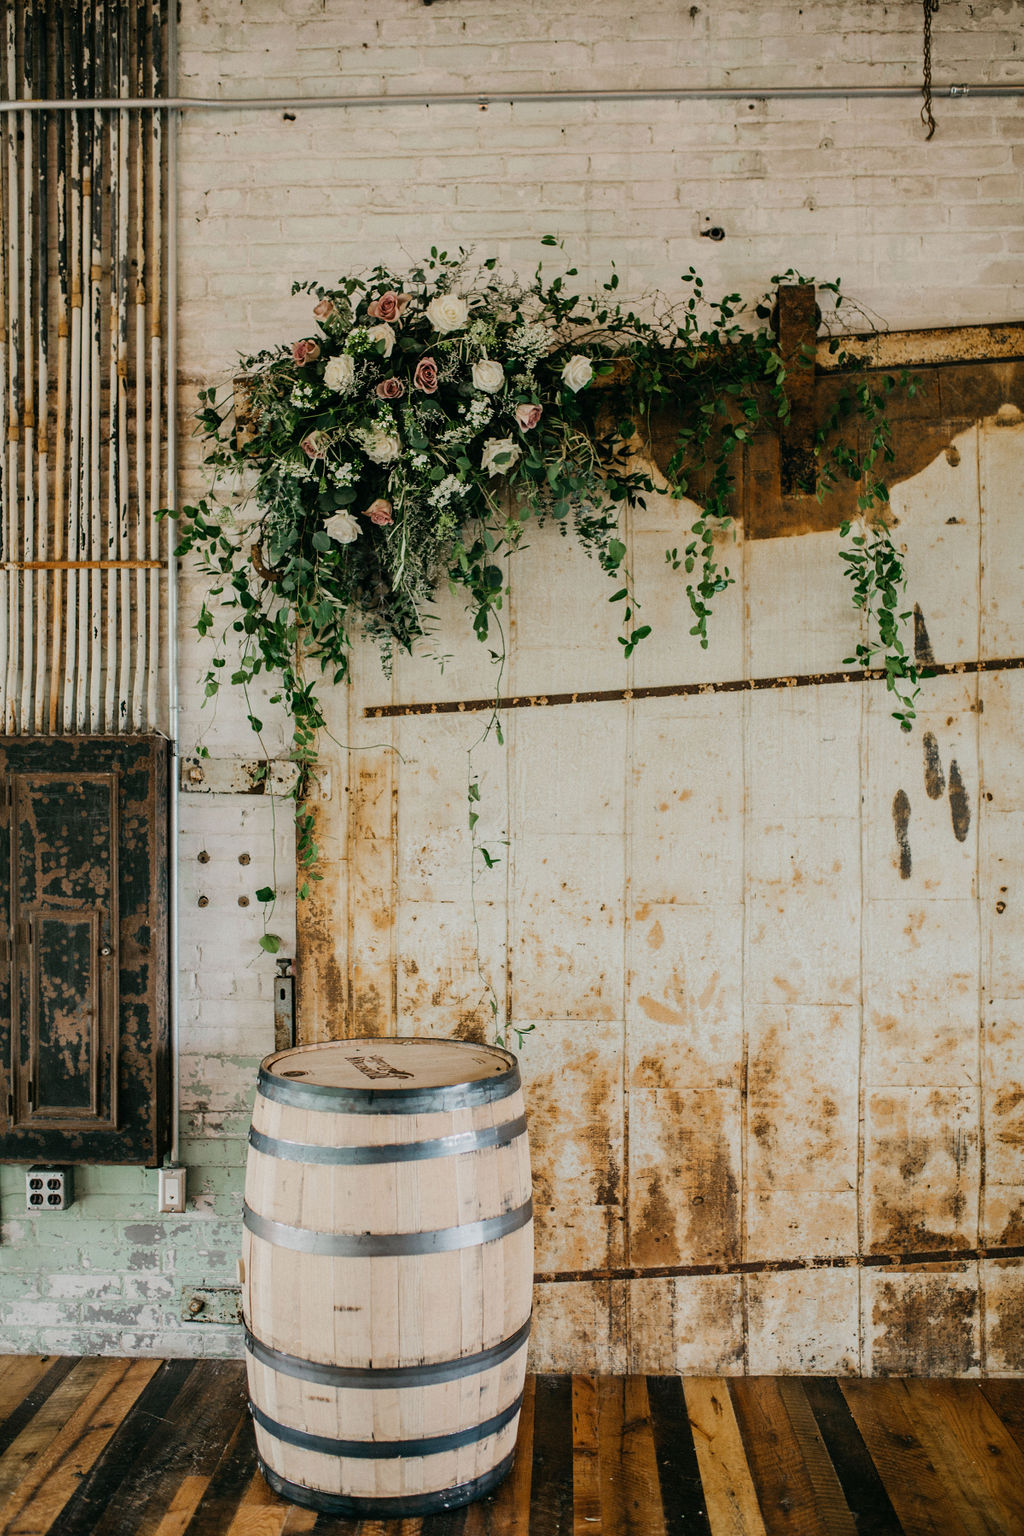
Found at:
[380, 446]
[577, 372]
[447, 312]
[384, 333]
[340, 374]
[342, 527]
[488, 375]
[503, 448]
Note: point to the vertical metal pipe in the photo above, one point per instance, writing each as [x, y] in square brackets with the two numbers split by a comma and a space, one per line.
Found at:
[60, 465]
[110, 648]
[156, 193]
[139, 717]
[96, 344]
[76, 202]
[124, 622]
[5, 552]
[28, 496]
[42, 308]
[14, 356]
[84, 42]
[172, 575]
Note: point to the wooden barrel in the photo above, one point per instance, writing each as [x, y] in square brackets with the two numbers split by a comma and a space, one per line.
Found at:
[388, 1269]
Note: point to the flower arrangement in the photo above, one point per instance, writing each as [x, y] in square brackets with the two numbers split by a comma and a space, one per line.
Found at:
[430, 415]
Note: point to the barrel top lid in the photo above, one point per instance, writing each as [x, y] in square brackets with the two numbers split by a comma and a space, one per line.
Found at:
[395, 1064]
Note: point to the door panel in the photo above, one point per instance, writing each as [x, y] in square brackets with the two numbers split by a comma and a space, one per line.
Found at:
[83, 1025]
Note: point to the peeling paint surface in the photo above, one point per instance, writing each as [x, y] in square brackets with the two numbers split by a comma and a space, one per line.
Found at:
[83, 1013]
[765, 948]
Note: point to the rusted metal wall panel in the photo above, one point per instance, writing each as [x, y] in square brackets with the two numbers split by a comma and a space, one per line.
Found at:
[769, 946]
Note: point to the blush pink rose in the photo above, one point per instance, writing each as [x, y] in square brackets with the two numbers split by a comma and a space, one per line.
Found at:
[425, 377]
[306, 351]
[315, 445]
[389, 306]
[528, 416]
[380, 512]
[324, 310]
[390, 389]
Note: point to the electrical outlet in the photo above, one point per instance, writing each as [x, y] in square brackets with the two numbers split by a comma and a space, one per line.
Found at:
[48, 1188]
[170, 1190]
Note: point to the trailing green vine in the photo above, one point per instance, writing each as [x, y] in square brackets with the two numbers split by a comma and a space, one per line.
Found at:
[432, 414]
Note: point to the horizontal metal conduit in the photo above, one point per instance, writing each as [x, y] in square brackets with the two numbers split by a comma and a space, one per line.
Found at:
[682, 690]
[506, 98]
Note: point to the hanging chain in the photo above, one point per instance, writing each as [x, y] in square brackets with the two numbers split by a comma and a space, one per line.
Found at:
[930, 9]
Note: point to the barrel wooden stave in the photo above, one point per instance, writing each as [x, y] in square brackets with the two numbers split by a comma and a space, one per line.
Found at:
[409, 1478]
[456, 1404]
[354, 1413]
[385, 1311]
[378, 1290]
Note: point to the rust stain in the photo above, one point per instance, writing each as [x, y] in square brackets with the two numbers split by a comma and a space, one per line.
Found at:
[369, 1014]
[1006, 1331]
[1012, 1234]
[922, 1167]
[923, 653]
[1008, 1100]
[576, 1163]
[901, 823]
[656, 937]
[908, 1230]
[685, 1199]
[470, 1027]
[959, 803]
[661, 1013]
[927, 1327]
[934, 778]
[321, 990]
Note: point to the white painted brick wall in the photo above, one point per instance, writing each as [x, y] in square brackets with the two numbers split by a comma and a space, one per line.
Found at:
[921, 233]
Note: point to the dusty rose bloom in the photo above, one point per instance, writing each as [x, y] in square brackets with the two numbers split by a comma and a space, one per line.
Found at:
[425, 377]
[528, 416]
[390, 389]
[306, 351]
[380, 512]
[324, 310]
[389, 306]
[315, 445]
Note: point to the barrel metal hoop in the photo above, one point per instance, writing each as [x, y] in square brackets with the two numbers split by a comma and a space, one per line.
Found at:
[376, 1245]
[383, 1450]
[391, 1152]
[364, 1376]
[376, 1101]
[393, 1508]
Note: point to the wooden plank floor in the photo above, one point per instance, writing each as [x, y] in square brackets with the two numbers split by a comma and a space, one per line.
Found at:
[165, 1448]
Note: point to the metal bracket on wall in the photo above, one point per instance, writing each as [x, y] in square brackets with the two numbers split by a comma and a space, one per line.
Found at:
[284, 1005]
[211, 1304]
[238, 776]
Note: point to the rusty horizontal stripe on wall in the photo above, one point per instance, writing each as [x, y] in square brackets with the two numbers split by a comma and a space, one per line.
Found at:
[679, 690]
[781, 1266]
[82, 565]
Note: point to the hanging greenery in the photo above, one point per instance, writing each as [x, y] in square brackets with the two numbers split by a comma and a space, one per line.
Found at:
[431, 415]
